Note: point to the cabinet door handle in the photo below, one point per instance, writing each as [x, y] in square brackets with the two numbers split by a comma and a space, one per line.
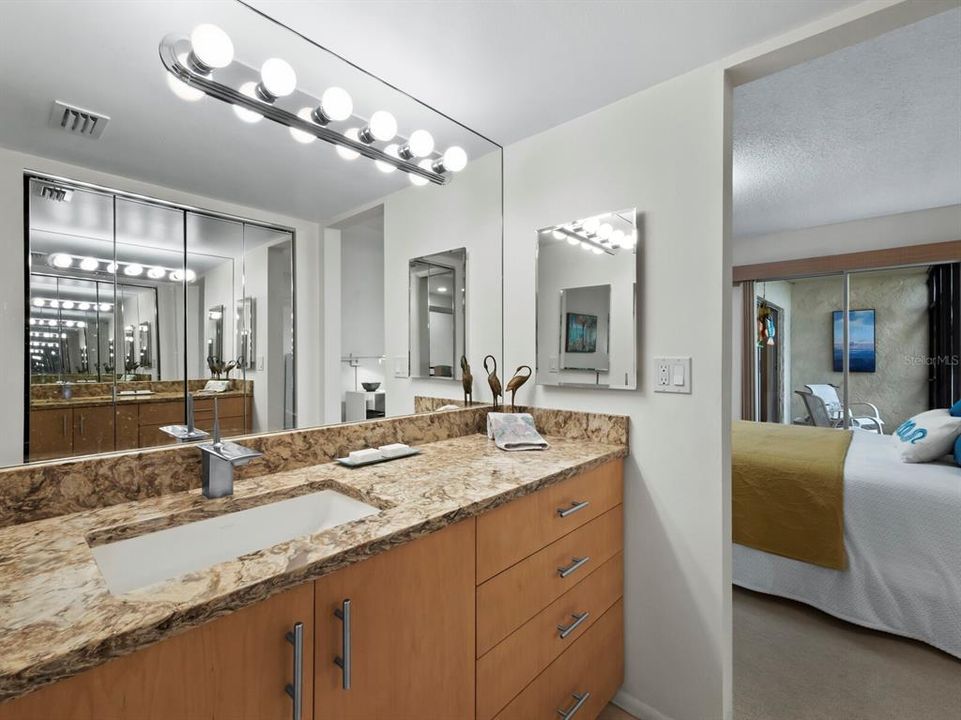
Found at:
[296, 689]
[343, 660]
[578, 619]
[575, 564]
[579, 701]
[575, 506]
[82, 418]
[64, 419]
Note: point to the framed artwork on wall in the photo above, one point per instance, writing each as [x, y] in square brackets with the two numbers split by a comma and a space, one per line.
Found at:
[863, 353]
[581, 333]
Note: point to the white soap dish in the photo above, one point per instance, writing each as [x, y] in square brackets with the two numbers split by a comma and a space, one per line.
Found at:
[346, 461]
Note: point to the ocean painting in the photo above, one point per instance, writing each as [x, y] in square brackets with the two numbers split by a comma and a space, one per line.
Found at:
[863, 356]
[581, 333]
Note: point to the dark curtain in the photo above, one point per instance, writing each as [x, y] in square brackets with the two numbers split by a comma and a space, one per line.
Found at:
[944, 335]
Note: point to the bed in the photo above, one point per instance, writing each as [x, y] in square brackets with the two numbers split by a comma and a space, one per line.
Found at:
[902, 532]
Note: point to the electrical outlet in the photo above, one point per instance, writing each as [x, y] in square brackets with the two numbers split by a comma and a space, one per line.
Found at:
[672, 375]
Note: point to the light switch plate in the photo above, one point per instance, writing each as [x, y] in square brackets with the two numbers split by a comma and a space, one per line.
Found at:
[672, 375]
[401, 367]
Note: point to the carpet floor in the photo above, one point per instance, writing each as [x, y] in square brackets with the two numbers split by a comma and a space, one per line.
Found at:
[792, 662]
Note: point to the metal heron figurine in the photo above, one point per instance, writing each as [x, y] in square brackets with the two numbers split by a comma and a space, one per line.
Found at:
[467, 380]
[495, 382]
[514, 384]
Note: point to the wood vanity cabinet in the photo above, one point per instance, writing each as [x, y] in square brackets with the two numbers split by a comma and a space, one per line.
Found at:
[93, 429]
[51, 433]
[233, 668]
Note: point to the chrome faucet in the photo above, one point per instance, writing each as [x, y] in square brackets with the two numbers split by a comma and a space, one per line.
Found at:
[219, 460]
[185, 433]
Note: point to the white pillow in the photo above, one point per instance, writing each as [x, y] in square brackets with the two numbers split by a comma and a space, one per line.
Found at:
[928, 436]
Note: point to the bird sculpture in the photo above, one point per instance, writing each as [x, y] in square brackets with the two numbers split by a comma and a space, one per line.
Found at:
[515, 383]
[467, 380]
[495, 382]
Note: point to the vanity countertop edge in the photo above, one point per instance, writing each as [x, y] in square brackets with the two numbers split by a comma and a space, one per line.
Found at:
[57, 617]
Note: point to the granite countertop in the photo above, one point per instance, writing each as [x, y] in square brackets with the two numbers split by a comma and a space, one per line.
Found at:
[58, 618]
[100, 400]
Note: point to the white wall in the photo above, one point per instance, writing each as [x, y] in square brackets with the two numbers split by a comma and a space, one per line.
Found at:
[309, 268]
[888, 231]
[432, 219]
[661, 151]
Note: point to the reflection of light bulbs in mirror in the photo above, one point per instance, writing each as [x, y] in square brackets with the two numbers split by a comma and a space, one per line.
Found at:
[133, 269]
[155, 273]
[417, 179]
[382, 126]
[586, 246]
[558, 235]
[105, 307]
[617, 237]
[211, 46]
[630, 239]
[278, 78]
[455, 159]
[67, 304]
[84, 306]
[336, 104]
[421, 143]
[81, 323]
[591, 225]
[89, 264]
[53, 303]
[572, 240]
[190, 275]
[111, 267]
[597, 250]
[605, 230]
[61, 260]
[38, 302]
[302, 136]
[345, 152]
[248, 116]
[183, 90]
[385, 167]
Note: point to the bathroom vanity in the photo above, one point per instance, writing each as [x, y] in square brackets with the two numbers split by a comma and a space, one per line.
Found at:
[482, 584]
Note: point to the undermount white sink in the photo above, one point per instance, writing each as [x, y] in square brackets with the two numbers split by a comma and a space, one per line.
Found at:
[165, 554]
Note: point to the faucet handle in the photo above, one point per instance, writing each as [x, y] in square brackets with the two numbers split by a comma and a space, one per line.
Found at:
[234, 453]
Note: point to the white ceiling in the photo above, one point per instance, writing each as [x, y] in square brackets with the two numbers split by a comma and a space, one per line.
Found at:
[870, 130]
[103, 56]
[512, 69]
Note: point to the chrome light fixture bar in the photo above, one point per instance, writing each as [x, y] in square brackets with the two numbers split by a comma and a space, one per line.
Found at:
[224, 79]
[584, 238]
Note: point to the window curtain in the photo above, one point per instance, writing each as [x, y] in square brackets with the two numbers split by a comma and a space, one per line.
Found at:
[944, 334]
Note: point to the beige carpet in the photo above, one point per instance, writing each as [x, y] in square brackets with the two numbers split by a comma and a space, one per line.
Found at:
[792, 662]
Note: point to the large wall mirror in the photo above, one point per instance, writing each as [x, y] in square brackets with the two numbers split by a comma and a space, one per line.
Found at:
[586, 302]
[257, 251]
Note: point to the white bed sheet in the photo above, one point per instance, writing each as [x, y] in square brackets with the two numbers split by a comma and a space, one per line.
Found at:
[902, 530]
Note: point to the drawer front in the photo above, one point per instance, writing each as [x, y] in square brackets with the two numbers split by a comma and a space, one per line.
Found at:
[162, 413]
[227, 407]
[518, 529]
[592, 669]
[507, 669]
[507, 601]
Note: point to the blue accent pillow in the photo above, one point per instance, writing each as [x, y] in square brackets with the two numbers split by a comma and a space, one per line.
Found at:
[956, 409]
[957, 450]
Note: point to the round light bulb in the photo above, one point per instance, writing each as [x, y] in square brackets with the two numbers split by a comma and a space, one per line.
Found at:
[302, 136]
[558, 235]
[211, 46]
[61, 260]
[455, 159]
[347, 153]
[248, 116]
[176, 275]
[67, 304]
[277, 77]
[572, 240]
[69, 323]
[190, 276]
[33, 321]
[155, 273]
[597, 250]
[617, 237]
[89, 264]
[393, 150]
[586, 246]
[133, 269]
[183, 90]
[38, 302]
[336, 104]
[417, 179]
[83, 306]
[105, 307]
[382, 126]
[591, 225]
[111, 267]
[81, 323]
[420, 143]
[53, 303]
[630, 239]
[605, 230]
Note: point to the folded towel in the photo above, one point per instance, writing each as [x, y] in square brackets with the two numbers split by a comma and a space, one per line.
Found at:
[514, 431]
[365, 454]
[394, 450]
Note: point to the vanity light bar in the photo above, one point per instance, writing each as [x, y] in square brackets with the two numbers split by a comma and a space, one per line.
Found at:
[62, 261]
[195, 61]
[82, 306]
[49, 322]
[585, 239]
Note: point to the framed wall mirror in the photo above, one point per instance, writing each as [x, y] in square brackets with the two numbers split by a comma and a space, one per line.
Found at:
[586, 302]
[438, 301]
[146, 261]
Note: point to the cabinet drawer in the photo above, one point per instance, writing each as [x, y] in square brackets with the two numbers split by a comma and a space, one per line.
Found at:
[227, 407]
[592, 669]
[508, 600]
[162, 413]
[518, 529]
[504, 671]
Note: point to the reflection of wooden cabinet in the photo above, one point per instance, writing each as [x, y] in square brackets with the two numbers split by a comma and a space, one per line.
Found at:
[411, 632]
[233, 668]
[93, 429]
[51, 433]
[128, 427]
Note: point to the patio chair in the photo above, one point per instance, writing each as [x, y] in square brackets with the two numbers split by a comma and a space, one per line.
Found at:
[866, 420]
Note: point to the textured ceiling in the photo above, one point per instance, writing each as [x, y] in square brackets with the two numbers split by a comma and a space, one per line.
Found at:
[512, 69]
[873, 129]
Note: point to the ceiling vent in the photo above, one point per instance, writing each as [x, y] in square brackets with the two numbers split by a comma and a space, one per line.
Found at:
[76, 120]
[55, 193]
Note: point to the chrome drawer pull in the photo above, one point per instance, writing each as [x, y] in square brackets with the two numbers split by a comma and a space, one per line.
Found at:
[581, 699]
[575, 563]
[296, 689]
[578, 619]
[343, 661]
[575, 506]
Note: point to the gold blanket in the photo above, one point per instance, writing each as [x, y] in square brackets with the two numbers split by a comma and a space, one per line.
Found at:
[788, 491]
